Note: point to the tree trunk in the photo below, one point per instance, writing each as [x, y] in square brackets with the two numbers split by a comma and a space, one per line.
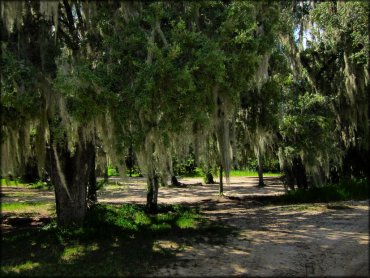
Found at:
[106, 176]
[260, 171]
[152, 194]
[209, 178]
[70, 175]
[300, 173]
[91, 193]
[175, 182]
[30, 174]
[289, 178]
[130, 161]
[221, 189]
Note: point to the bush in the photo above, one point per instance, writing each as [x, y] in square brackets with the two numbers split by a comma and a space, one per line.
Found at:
[133, 218]
[355, 189]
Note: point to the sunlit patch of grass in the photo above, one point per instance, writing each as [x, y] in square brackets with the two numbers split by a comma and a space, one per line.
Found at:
[187, 221]
[141, 218]
[20, 194]
[233, 173]
[114, 240]
[27, 266]
[134, 218]
[74, 252]
[301, 207]
[19, 183]
[7, 182]
[247, 173]
[28, 207]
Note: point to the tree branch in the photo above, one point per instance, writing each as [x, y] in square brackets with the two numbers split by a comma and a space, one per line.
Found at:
[160, 32]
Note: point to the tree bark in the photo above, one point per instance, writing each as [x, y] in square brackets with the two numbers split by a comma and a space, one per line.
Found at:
[91, 193]
[221, 188]
[70, 175]
[209, 178]
[175, 182]
[289, 178]
[260, 171]
[152, 194]
[299, 173]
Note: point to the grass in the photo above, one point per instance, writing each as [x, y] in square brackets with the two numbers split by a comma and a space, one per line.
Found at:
[7, 182]
[20, 183]
[356, 189]
[29, 208]
[247, 173]
[133, 218]
[115, 240]
[233, 173]
[345, 190]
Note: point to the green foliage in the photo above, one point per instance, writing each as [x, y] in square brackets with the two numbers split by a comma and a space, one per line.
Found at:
[18, 78]
[248, 173]
[20, 206]
[112, 171]
[345, 190]
[41, 185]
[150, 72]
[18, 182]
[10, 182]
[186, 166]
[110, 250]
[133, 218]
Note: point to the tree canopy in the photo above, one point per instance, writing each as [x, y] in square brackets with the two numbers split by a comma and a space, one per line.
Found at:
[252, 78]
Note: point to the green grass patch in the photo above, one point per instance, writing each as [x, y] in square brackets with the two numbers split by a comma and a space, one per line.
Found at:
[20, 183]
[356, 189]
[29, 208]
[7, 182]
[133, 218]
[23, 206]
[233, 173]
[345, 190]
[247, 173]
[115, 240]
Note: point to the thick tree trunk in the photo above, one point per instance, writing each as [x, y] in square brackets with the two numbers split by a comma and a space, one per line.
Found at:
[221, 188]
[70, 175]
[152, 194]
[260, 171]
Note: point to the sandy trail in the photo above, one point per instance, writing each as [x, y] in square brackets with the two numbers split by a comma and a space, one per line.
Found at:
[273, 241]
[134, 191]
[301, 240]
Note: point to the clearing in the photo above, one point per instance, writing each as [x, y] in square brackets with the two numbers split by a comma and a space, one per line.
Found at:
[266, 240]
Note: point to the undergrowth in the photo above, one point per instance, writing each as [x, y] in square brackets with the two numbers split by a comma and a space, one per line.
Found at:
[114, 240]
[349, 189]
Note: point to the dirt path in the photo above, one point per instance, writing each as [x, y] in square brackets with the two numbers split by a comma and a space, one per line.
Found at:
[280, 241]
[300, 240]
[134, 191]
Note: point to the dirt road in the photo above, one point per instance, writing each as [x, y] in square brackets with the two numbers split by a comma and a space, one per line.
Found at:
[312, 240]
[296, 240]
